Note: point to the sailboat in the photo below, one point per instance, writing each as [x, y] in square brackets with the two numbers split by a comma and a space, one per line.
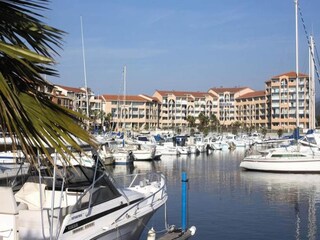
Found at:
[293, 159]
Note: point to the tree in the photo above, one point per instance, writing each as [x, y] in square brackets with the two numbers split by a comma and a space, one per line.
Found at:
[191, 121]
[214, 121]
[235, 127]
[264, 132]
[280, 132]
[27, 48]
[203, 121]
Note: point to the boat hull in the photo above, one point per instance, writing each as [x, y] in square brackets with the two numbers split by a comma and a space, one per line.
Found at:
[311, 165]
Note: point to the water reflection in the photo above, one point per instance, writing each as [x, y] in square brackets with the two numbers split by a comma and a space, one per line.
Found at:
[226, 202]
[301, 191]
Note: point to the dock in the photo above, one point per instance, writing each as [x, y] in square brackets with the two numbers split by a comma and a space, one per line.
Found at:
[177, 234]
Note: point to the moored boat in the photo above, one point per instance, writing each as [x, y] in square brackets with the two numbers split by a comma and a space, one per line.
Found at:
[282, 160]
[80, 202]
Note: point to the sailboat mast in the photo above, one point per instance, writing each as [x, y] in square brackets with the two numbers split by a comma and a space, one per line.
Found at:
[124, 89]
[84, 70]
[124, 84]
[312, 103]
[297, 64]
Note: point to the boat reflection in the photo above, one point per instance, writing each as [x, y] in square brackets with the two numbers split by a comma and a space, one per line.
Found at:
[120, 169]
[302, 191]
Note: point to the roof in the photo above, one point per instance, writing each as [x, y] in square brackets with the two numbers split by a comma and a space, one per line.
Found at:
[149, 97]
[135, 98]
[231, 90]
[183, 93]
[291, 74]
[71, 89]
[253, 94]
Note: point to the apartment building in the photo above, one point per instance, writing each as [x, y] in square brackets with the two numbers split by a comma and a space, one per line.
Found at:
[227, 102]
[282, 104]
[72, 98]
[251, 110]
[176, 106]
[132, 111]
[273, 108]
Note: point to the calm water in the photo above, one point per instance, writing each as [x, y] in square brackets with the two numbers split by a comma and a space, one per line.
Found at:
[226, 202]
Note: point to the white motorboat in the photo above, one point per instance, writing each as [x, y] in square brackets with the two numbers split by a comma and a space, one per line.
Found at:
[13, 164]
[184, 150]
[143, 153]
[283, 160]
[167, 150]
[80, 203]
[122, 157]
[194, 149]
[106, 155]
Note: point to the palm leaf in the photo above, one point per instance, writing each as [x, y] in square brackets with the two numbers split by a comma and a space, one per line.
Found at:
[34, 122]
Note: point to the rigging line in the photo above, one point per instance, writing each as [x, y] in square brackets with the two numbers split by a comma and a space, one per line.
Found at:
[309, 44]
[316, 52]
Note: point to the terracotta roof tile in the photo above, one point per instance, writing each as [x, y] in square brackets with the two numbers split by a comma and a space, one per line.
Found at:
[183, 93]
[291, 74]
[71, 89]
[135, 98]
[232, 90]
[253, 94]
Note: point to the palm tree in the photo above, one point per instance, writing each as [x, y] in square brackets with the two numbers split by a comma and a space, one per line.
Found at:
[27, 48]
[214, 121]
[203, 121]
[191, 121]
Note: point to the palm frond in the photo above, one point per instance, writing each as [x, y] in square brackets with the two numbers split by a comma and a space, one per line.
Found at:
[34, 122]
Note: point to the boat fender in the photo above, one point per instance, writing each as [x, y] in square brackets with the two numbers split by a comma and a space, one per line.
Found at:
[192, 230]
[151, 234]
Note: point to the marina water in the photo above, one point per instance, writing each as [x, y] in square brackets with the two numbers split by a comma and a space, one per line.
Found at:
[225, 202]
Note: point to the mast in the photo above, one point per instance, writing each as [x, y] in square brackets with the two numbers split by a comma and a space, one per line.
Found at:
[312, 102]
[84, 70]
[124, 88]
[297, 64]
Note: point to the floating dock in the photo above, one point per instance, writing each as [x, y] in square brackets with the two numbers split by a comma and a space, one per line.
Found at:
[177, 234]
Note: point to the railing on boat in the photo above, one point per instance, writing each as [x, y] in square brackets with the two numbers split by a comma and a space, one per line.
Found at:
[142, 182]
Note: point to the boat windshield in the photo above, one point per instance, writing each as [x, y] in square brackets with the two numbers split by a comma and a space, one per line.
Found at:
[80, 180]
[295, 155]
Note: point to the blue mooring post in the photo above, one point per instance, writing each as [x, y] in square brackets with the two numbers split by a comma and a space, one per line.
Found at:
[184, 181]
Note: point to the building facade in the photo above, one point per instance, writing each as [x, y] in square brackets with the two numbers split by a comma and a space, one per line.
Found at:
[251, 110]
[273, 108]
[132, 111]
[227, 97]
[282, 101]
[176, 106]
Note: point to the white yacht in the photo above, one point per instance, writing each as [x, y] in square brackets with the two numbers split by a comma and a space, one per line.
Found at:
[284, 160]
[143, 152]
[80, 202]
[13, 164]
[167, 149]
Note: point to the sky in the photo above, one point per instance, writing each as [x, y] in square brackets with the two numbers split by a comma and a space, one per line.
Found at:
[181, 45]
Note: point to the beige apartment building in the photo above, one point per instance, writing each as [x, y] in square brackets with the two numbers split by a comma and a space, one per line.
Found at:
[227, 113]
[273, 108]
[72, 98]
[176, 106]
[282, 104]
[251, 110]
[132, 111]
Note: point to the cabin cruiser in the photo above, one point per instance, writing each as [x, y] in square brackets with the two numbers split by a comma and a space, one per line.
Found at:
[80, 202]
[13, 165]
[291, 159]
